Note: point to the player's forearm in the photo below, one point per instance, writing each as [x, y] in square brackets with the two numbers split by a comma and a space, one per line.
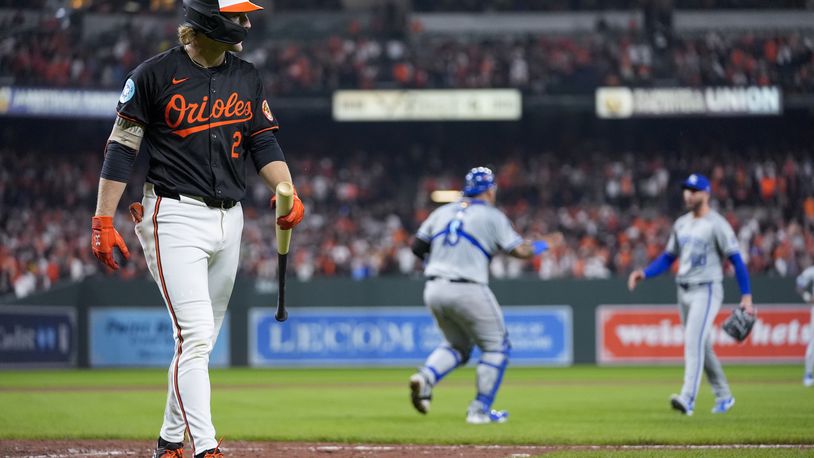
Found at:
[523, 251]
[110, 192]
[531, 248]
[275, 173]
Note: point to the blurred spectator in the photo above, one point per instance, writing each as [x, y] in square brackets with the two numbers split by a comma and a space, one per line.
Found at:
[616, 211]
[577, 5]
[58, 52]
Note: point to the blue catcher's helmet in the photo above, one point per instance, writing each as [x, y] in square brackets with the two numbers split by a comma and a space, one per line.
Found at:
[478, 180]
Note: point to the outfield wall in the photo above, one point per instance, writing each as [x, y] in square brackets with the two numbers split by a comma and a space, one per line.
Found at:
[133, 310]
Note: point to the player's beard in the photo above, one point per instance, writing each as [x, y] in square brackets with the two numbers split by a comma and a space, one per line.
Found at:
[694, 204]
[691, 205]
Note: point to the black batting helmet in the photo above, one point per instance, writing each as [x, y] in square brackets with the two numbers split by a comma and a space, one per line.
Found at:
[207, 16]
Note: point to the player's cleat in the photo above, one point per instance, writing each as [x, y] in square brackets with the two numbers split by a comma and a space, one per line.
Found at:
[212, 453]
[678, 403]
[808, 381]
[723, 405]
[420, 392]
[169, 449]
[480, 417]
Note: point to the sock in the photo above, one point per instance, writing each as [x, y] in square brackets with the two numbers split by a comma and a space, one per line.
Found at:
[440, 363]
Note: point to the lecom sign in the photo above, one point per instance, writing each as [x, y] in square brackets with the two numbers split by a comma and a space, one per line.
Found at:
[654, 334]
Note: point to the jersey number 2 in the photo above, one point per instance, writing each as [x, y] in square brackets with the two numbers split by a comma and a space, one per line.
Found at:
[237, 137]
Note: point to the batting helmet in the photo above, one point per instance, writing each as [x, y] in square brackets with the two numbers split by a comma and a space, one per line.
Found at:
[207, 16]
[478, 180]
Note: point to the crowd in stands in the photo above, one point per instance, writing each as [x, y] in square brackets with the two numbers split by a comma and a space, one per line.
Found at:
[437, 5]
[54, 55]
[592, 5]
[157, 6]
[362, 209]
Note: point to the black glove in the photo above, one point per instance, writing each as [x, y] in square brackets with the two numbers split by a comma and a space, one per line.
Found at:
[739, 324]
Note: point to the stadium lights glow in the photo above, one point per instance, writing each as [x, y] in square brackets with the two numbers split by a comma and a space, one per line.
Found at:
[443, 196]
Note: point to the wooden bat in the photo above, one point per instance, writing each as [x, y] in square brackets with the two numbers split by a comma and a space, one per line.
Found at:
[285, 199]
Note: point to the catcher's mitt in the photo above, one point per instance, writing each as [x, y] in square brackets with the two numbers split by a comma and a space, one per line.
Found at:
[739, 324]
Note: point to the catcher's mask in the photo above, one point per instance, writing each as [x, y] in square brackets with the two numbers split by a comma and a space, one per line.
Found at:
[207, 16]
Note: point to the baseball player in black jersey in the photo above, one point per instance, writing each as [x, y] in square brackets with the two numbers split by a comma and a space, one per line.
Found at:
[201, 113]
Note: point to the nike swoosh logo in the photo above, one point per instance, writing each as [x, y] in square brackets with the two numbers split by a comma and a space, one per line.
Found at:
[175, 81]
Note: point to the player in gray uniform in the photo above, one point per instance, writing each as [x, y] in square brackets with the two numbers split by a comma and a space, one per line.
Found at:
[457, 242]
[700, 240]
[805, 286]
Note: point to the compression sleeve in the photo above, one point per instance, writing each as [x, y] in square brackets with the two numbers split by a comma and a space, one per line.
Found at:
[265, 149]
[659, 265]
[741, 273]
[118, 162]
[420, 248]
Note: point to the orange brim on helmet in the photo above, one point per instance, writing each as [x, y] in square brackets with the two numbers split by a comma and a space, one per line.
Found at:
[237, 6]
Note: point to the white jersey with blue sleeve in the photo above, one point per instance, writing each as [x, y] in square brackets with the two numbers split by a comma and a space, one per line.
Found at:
[701, 246]
[805, 281]
[463, 236]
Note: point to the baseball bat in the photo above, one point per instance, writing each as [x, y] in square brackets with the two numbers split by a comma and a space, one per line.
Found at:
[285, 199]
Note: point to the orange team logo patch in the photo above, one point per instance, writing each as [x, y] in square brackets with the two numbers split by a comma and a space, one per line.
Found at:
[267, 111]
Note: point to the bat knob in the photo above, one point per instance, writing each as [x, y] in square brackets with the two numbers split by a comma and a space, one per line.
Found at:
[281, 315]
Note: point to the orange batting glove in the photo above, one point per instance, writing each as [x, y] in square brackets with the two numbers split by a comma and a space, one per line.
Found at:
[294, 216]
[136, 212]
[103, 239]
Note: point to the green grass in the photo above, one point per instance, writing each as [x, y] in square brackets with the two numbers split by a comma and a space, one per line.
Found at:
[577, 405]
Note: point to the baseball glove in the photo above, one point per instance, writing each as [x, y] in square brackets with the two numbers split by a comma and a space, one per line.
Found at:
[739, 324]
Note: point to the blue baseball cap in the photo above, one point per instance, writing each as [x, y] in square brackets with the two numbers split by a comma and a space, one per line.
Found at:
[696, 182]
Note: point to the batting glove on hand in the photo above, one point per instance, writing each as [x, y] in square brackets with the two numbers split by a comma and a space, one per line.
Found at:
[136, 212]
[294, 216]
[102, 240]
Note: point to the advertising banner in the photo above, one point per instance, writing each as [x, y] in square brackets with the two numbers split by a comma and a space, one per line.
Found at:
[141, 337]
[34, 336]
[654, 334]
[428, 105]
[624, 102]
[391, 336]
[68, 103]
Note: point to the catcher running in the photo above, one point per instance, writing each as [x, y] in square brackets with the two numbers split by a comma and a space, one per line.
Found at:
[700, 240]
[457, 241]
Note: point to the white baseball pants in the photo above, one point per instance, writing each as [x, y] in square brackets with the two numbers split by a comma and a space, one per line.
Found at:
[192, 252]
[699, 305]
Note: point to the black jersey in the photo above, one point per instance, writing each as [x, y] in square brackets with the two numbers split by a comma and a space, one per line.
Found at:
[200, 123]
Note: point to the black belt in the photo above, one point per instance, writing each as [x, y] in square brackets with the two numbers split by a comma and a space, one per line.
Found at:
[693, 285]
[209, 201]
[453, 280]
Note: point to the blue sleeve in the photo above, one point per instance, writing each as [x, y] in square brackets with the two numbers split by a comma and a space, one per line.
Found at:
[659, 265]
[741, 273]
